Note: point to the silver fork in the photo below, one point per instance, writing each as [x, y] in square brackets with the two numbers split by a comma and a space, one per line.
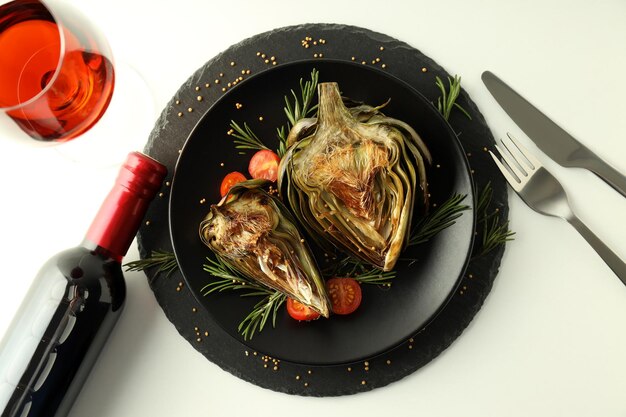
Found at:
[544, 194]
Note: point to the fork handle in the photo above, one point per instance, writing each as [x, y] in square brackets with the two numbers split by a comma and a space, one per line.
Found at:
[612, 260]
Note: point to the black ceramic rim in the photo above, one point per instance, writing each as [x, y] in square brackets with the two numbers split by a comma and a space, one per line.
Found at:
[387, 317]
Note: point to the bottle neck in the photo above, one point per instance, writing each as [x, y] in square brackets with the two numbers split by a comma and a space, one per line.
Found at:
[114, 227]
[118, 220]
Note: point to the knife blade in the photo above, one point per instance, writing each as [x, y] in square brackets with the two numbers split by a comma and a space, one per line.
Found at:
[550, 137]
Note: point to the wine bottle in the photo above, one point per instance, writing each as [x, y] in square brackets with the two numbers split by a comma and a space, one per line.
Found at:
[74, 302]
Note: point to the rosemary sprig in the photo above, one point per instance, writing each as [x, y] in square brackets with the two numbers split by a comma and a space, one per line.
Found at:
[245, 137]
[447, 101]
[442, 217]
[227, 279]
[495, 234]
[301, 107]
[260, 313]
[162, 260]
[493, 231]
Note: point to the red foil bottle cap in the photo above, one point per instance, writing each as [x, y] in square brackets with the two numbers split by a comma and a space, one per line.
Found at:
[120, 215]
[141, 174]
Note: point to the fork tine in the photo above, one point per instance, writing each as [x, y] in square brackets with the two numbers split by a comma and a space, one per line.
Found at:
[514, 166]
[512, 179]
[524, 152]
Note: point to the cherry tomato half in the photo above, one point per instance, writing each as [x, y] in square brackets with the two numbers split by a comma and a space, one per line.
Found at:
[264, 164]
[345, 295]
[229, 180]
[300, 312]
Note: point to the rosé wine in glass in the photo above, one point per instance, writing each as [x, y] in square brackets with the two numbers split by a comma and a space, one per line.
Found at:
[56, 70]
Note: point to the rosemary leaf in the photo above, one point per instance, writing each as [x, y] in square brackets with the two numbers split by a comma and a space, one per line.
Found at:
[441, 101]
[308, 92]
[260, 293]
[290, 112]
[282, 134]
[484, 199]
[458, 106]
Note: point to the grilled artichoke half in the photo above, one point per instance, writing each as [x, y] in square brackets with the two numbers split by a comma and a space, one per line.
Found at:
[351, 177]
[255, 234]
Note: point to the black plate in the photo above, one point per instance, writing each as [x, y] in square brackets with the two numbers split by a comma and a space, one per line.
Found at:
[386, 317]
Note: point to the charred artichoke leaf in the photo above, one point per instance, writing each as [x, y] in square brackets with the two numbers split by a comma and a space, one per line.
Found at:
[300, 129]
[255, 234]
[352, 180]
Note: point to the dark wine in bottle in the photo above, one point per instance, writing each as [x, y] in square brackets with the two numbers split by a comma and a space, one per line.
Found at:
[74, 302]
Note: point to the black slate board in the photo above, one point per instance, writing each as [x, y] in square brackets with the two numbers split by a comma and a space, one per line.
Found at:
[196, 96]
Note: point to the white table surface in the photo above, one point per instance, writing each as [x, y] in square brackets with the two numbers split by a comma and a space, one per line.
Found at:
[550, 339]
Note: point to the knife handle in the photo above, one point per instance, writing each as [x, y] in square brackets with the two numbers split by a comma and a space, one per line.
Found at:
[608, 256]
[606, 172]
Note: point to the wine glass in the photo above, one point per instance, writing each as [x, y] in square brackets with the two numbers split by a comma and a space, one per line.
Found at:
[57, 80]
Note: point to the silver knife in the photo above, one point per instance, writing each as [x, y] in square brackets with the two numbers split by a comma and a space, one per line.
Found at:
[549, 137]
